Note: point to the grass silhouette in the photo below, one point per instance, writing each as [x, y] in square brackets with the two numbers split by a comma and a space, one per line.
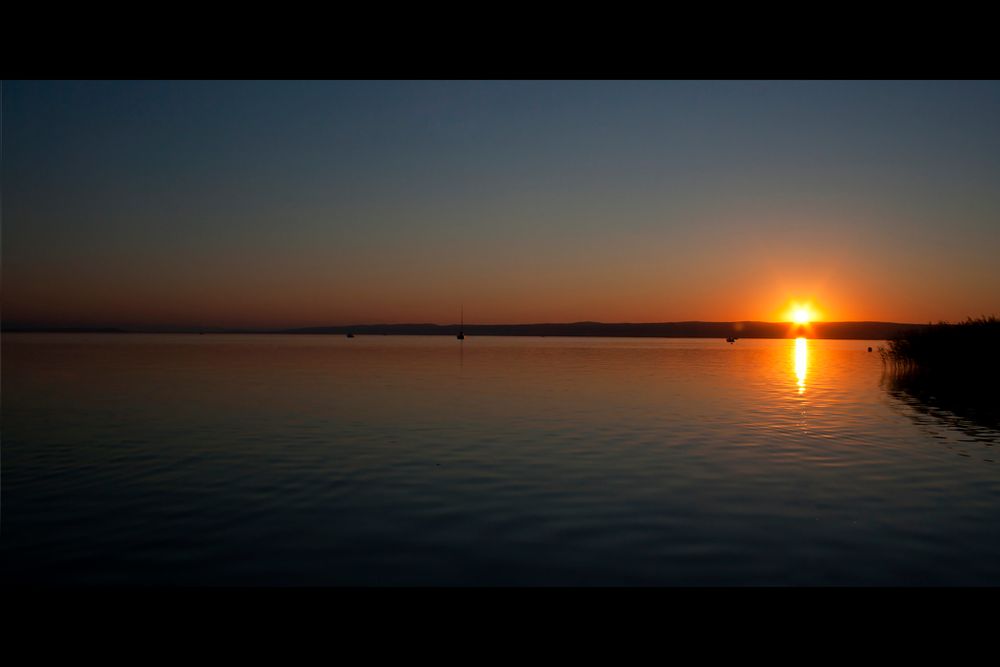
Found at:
[951, 366]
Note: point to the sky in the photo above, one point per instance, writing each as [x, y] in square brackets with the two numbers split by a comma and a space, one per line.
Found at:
[272, 204]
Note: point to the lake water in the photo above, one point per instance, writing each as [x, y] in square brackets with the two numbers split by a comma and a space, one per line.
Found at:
[397, 460]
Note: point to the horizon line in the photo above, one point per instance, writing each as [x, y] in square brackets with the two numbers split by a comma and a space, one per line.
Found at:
[13, 326]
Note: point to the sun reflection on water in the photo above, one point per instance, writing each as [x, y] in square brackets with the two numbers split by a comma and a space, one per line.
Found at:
[801, 362]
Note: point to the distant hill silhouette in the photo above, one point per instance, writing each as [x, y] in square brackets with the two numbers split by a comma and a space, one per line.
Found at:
[26, 328]
[844, 330]
[848, 330]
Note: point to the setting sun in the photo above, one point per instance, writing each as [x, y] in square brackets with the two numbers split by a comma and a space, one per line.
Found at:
[802, 313]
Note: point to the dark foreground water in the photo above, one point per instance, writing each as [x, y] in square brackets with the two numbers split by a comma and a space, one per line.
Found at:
[317, 460]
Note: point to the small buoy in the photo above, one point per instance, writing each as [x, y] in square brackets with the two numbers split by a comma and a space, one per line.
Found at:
[869, 349]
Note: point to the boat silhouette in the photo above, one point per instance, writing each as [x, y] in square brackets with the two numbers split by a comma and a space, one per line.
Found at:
[461, 336]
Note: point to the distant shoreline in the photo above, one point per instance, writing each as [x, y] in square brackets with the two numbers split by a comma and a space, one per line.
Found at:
[818, 330]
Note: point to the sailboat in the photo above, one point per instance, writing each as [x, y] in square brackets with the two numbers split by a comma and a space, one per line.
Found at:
[461, 336]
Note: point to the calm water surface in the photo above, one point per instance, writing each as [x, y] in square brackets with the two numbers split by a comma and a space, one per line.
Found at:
[316, 460]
